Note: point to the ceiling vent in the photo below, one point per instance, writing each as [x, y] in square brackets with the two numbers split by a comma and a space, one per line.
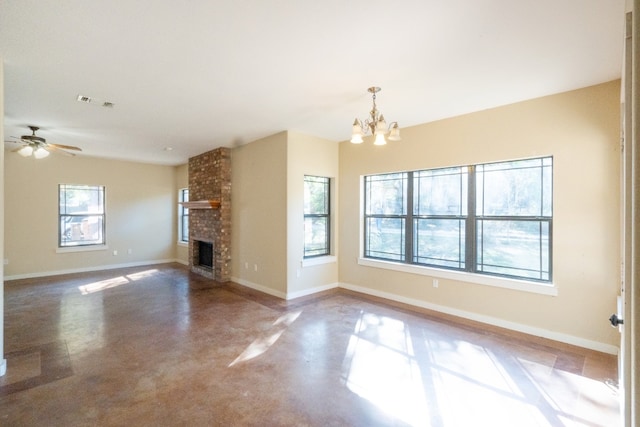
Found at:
[95, 101]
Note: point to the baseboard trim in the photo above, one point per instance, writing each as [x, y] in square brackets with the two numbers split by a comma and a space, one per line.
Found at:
[311, 291]
[543, 333]
[87, 269]
[258, 287]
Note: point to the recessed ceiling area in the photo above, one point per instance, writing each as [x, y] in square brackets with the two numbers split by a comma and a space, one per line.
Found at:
[202, 74]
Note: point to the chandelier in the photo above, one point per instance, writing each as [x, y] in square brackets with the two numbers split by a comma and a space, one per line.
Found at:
[374, 125]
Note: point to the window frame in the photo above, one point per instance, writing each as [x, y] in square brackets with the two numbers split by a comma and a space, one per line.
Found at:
[183, 212]
[326, 214]
[471, 220]
[102, 215]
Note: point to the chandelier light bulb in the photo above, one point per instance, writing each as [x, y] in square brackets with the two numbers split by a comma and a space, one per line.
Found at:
[379, 139]
[356, 133]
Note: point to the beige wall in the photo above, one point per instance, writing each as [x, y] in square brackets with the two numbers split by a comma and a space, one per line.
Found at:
[140, 204]
[182, 181]
[3, 361]
[259, 214]
[581, 130]
[308, 155]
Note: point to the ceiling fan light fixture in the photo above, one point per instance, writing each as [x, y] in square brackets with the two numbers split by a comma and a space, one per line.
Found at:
[25, 151]
[40, 153]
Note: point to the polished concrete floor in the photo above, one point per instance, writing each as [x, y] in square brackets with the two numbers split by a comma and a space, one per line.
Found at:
[159, 346]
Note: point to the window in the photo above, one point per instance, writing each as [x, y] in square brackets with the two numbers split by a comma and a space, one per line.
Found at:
[81, 215]
[183, 216]
[490, 218]
[316, 216]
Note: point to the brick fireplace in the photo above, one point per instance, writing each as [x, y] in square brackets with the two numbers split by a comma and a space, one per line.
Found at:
[210, 223]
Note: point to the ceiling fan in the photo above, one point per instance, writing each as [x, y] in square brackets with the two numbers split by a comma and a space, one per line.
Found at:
[39, 147]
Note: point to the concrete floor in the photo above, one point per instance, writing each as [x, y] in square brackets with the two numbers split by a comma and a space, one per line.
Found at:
[157, 345]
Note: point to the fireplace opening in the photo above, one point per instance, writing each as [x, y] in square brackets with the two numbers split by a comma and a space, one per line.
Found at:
[205, 254]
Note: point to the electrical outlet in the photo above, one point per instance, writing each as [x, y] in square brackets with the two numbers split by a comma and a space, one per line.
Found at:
[255, 267]
[129, 251]
[115, 252]
[246, 265]
[435, 283]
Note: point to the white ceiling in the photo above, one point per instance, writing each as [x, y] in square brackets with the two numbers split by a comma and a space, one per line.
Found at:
[201, 74]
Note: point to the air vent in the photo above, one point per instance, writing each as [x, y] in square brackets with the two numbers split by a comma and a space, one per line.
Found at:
[95, 101]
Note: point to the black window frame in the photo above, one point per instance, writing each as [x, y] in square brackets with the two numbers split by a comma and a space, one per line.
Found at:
[474, 221]
[325, 214]
[183, 213]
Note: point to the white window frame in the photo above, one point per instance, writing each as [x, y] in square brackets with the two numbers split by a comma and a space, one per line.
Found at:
[80, 247]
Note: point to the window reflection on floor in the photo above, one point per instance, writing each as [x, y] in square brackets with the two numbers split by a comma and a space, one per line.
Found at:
[424, 378]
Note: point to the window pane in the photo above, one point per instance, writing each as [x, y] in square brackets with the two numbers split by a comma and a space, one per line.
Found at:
[439, 242]
[79, 199]
[185, 228]
[81, 230]
[386, 194]
[518, 188]
[440, 192]
[81, 215]
[316, 215]
[316, 195]
[514, 248]
[316, 236]
[184, 216]
[385, 238]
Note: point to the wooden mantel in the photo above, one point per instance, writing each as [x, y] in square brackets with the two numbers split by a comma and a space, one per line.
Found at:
[202, 204]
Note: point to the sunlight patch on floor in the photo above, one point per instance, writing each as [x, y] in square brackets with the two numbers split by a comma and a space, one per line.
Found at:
[102, 285]
[261, 344]
[421, 380]
[381, 369]
[576, 399]
[114, 282]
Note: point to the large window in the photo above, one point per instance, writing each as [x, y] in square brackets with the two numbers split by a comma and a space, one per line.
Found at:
[81, 215]
[490, 218]
[317, 210]
[183, 216]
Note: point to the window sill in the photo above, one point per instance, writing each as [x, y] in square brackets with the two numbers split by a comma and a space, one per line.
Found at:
[87, 248]
[184, 244]
[478, 279]
[308, 262]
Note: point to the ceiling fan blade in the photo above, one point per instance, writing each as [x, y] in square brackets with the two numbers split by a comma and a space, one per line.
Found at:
[57, 149]
[65, 147]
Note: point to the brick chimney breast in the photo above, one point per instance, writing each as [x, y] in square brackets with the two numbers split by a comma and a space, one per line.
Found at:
[210, 179]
